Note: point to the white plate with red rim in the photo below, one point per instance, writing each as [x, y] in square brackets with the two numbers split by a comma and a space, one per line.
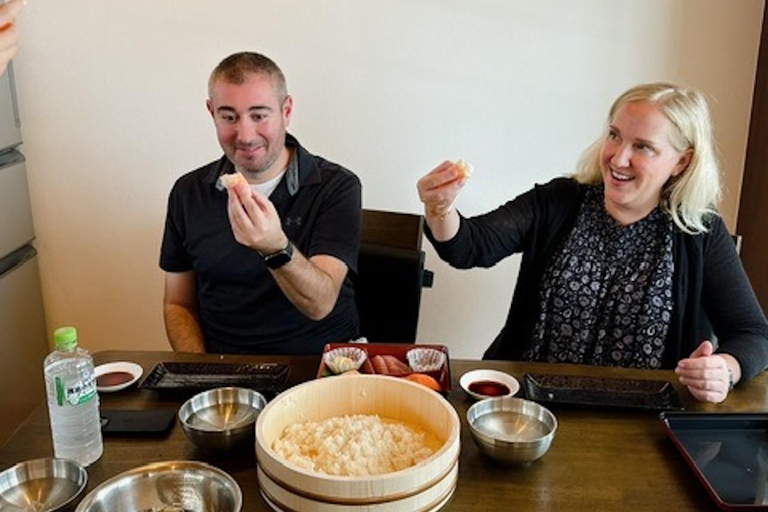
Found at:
[115, 376]
[482, 384]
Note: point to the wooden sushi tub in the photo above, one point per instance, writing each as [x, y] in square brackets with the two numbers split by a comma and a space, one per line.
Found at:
[424, 487]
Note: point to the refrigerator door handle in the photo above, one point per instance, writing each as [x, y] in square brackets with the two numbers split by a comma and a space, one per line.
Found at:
[14, 97]
[16, 259]
[9, 158]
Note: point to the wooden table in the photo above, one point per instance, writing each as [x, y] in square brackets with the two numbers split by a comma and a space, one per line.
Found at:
[599, 459]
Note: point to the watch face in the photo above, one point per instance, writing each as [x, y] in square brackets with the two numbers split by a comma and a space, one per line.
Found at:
[278, 260]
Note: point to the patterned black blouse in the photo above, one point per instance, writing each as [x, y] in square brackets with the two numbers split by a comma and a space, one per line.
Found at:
[606, 297]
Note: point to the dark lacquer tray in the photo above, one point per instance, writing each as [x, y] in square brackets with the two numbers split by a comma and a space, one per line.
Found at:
[656, 395]
[398, 350]
[728, 452]
[265, 377]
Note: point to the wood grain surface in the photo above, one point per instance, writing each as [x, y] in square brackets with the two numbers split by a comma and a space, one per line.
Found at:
[600, 460]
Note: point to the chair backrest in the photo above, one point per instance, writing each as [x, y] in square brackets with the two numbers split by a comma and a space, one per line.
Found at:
[390, 276]
[392, 229]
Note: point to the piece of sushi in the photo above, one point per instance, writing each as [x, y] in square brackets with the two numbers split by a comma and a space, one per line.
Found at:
[465, 168]
[230, 180]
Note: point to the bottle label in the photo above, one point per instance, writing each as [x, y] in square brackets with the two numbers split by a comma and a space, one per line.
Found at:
[76, 392]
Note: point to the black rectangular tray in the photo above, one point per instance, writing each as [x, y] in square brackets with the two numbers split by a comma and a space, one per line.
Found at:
[728, 452]
[264, 377]
[656, 395]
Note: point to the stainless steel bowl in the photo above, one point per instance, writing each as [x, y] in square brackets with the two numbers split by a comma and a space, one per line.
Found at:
[222, 418]
[173, 486]
[511, 430]
[41, 485]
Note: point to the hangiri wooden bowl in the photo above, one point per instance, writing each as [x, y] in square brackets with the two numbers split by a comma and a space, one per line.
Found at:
[425, 486]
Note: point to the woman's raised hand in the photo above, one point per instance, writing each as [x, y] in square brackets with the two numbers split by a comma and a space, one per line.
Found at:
[439, 188]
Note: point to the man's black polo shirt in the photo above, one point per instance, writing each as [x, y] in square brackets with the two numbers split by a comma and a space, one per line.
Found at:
[240, 306]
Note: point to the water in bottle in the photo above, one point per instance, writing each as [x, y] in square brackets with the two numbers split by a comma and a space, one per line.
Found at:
[73, 404]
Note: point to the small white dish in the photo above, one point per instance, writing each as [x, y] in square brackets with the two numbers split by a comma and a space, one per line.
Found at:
[118, 367]
[491, 379]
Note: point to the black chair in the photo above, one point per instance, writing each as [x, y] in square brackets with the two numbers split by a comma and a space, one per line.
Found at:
[390, 276]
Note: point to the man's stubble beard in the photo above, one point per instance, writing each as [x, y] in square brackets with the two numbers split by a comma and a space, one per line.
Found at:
[255, 174]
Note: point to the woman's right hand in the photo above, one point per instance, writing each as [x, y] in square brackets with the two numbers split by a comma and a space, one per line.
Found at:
[439, 188]
[9, 34]
[438, 191]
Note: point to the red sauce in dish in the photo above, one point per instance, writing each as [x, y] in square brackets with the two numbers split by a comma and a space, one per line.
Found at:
[113, 379]
[489, 388]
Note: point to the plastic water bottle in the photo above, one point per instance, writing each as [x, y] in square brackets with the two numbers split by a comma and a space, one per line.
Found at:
[73, 404]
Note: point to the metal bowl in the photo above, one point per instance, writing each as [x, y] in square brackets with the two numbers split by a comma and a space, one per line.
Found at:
[511, 430]
[41, 485]
[167, 486]
[222, 418]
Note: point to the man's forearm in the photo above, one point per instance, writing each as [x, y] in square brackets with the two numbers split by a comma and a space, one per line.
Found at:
[310, 288]
[183, 329]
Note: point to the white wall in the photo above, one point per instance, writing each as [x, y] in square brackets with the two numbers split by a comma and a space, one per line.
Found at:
[112, 98]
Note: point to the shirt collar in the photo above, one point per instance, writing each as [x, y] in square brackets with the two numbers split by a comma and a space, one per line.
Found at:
[302, 169]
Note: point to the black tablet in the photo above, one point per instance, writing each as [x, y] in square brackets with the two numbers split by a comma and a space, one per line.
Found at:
[136, 422]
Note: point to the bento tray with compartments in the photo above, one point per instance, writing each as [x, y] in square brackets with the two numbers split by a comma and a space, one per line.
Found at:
[397, 350]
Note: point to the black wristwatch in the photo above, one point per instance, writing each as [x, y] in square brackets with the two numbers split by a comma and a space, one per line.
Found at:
[279, 258]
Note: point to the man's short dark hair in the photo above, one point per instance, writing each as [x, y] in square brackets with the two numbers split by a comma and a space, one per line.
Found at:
[236, 68]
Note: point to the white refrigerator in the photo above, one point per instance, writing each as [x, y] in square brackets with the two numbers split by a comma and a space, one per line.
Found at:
[23, 342]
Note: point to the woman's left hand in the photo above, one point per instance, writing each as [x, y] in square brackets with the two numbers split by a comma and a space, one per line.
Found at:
[705, 374]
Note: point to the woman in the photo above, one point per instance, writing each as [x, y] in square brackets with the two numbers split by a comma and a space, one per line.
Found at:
[626, 263]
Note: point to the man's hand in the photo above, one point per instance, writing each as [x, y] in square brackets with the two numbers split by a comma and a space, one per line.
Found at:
[705, 374]
[312, 285]
[255, 222]
[9, 33]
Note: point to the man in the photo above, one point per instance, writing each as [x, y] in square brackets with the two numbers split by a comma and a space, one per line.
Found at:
[262, 267]
[9, 35]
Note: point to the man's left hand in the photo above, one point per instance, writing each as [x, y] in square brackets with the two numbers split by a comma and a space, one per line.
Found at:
[255, 222]
[705, 374]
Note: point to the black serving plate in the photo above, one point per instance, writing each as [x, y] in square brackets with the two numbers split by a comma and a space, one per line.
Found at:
[728, 452]
[268, 378]
[656, 395]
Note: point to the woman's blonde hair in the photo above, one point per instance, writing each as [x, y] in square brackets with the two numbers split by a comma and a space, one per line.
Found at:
[693, 194]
